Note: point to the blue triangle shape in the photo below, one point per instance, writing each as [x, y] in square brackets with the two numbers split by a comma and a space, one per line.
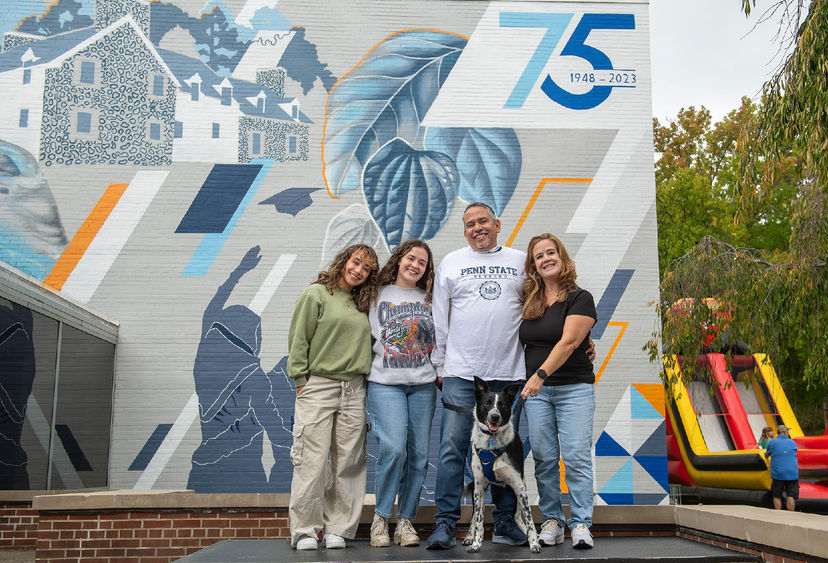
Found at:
[648, 498]
[656, 466]
[641, 407]
[622, 481]
[617, 498]
[606, 446]
[656, 444]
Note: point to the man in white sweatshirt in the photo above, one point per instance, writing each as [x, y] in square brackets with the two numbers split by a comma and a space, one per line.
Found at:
[477, 312]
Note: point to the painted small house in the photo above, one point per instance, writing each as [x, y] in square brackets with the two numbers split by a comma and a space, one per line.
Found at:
[219, 115]
[77, 99]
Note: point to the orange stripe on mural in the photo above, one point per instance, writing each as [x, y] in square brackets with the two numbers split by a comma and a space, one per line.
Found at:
[623, 326]
[534, 198]
[84, 236]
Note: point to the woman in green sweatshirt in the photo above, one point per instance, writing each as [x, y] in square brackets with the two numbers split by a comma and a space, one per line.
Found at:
[329, 346]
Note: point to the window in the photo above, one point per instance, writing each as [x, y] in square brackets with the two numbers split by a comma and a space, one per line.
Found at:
[158, 84]
[194, 91]
[84, 122]
[226, 96]
[155, 131]
[292, 144]
[24, 118]
[256, 143]
[87, 72]
[215, 130]
[178, 129]
[295, 112]
[27, 75]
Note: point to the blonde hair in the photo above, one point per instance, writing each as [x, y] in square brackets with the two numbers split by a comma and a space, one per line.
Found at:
[534, 302]
[363, 294]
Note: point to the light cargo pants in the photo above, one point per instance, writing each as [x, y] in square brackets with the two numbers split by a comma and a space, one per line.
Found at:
[325, 494]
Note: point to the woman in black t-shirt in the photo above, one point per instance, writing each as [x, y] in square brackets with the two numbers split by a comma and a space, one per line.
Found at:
[559, 394]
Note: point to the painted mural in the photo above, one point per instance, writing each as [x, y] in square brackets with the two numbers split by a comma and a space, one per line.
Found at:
[17, 371]
[186, 167]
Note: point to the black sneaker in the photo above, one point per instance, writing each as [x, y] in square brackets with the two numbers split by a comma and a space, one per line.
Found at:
[507, 532]
[442, 537]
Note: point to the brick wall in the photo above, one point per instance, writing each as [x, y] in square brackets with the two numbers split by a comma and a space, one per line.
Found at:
[18, 526]
[148, 536]
[769, 555]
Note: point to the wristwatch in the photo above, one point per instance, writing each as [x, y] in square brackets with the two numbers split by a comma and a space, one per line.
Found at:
[542, 374]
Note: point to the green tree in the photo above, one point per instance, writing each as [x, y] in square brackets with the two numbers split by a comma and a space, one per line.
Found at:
[776, 293]
[697, 175]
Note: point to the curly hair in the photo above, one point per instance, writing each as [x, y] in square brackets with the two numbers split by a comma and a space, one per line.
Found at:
[363, 294]
[534, 300]
[388, 274]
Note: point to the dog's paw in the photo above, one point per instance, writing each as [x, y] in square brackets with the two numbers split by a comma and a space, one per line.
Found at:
[474, 547]
[468, 540]
[535, 547]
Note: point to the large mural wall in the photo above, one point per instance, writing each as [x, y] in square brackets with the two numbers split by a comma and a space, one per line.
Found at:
[187, 167]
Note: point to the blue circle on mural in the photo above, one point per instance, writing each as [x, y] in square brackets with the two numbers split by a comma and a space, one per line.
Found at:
[490, 290]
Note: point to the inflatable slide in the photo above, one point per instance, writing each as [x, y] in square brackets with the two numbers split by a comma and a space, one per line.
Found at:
[713, 423]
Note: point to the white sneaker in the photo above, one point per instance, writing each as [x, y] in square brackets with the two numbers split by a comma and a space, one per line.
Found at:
[306, 543]
[332, 541]
[379, 532]
[551, 533]
[581, 538]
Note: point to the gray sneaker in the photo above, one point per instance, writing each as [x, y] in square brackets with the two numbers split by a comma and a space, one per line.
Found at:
[379, 532]
[551, 533]
[581, 538]
[405, 535]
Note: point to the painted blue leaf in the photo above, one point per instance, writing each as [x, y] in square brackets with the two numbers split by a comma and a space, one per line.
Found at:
[384, 98]
[411, 192]
[352, 225]
[488, 159]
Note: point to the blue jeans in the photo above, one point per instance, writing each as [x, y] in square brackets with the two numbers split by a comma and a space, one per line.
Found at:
[560, 426]
[455, 437]
[400, 416]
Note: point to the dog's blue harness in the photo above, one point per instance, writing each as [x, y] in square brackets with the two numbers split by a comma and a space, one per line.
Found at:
[487, 459]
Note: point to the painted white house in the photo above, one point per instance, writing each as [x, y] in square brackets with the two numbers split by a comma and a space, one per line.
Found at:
[71, 104]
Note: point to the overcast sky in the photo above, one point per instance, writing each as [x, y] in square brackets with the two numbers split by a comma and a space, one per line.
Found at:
[704, 53]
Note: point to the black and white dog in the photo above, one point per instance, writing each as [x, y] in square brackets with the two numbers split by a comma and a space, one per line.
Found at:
[497, 459]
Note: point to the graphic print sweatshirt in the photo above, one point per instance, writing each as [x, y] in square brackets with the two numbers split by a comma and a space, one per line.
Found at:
[403, 329]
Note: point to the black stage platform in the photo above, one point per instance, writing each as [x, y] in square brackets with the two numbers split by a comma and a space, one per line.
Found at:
[614, 549]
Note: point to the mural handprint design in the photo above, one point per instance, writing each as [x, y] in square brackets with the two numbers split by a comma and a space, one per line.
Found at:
[236, 396]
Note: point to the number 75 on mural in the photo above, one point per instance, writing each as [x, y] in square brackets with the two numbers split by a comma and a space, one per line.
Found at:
[603, 79]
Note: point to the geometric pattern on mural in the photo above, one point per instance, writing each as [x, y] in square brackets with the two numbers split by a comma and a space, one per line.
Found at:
[632, 450]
